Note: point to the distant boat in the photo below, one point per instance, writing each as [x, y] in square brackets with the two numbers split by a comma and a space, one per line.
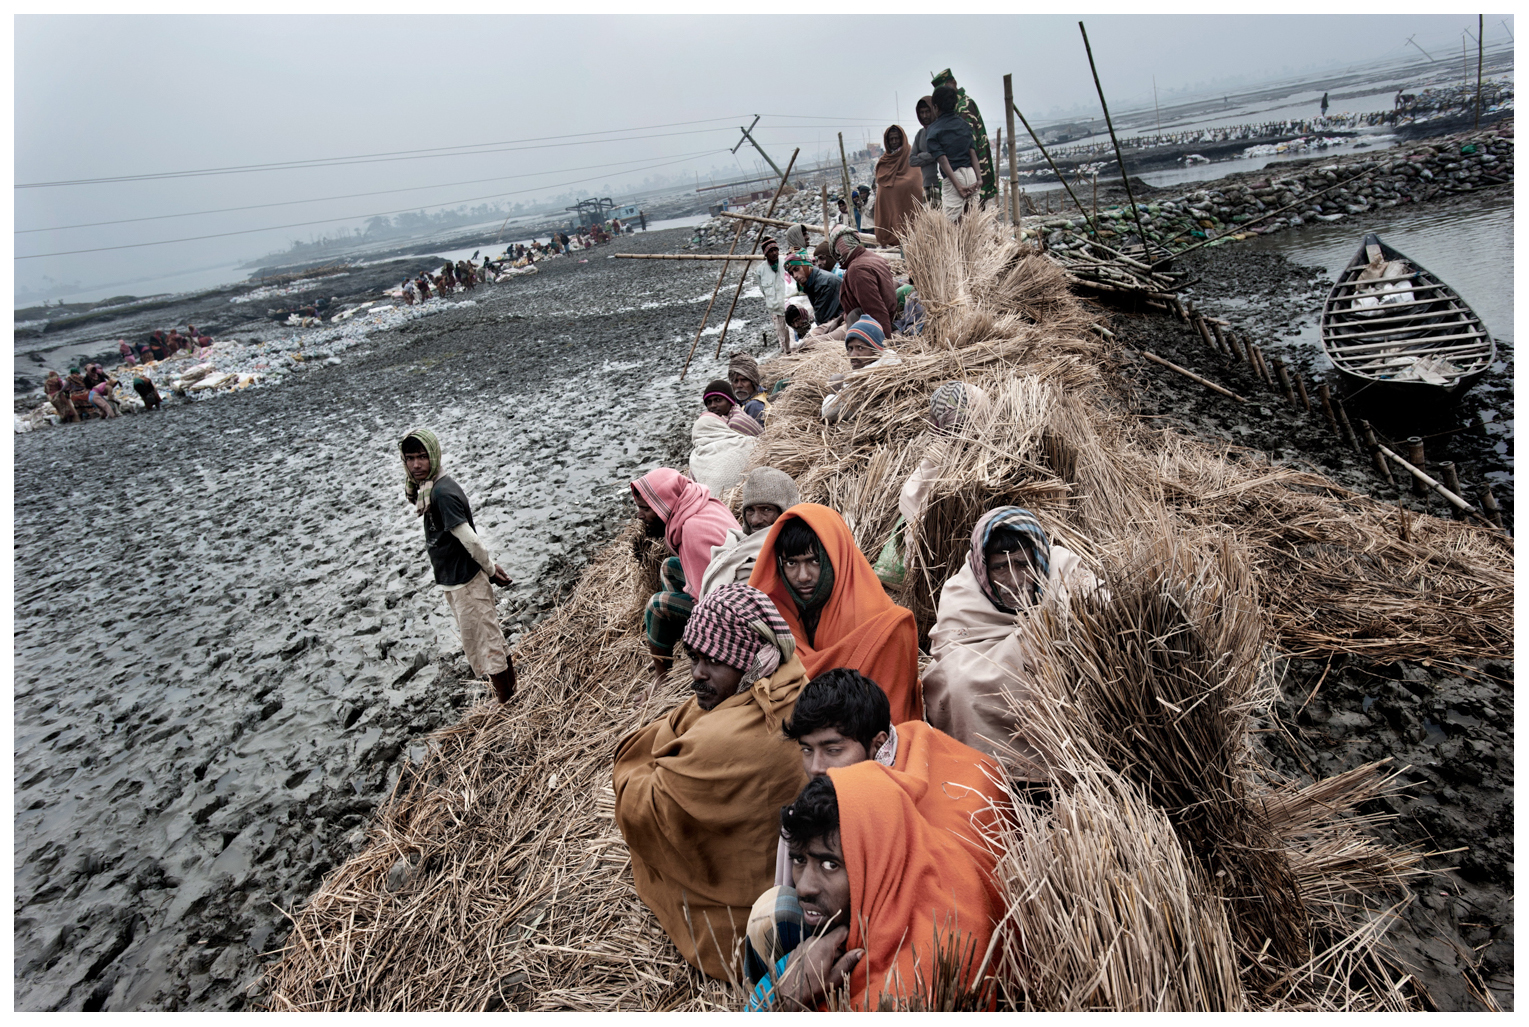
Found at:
[1396, 332]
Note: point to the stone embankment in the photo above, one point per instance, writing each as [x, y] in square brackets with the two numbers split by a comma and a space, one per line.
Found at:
[1218, 210]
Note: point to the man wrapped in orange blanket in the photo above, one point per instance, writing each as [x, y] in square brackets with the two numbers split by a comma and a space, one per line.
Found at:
[836, 607]
[883, 892]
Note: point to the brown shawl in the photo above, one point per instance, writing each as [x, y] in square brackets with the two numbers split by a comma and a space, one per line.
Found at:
[698, 798]
[899, 188]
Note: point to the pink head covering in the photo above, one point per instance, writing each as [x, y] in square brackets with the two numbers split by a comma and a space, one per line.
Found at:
[694, 521]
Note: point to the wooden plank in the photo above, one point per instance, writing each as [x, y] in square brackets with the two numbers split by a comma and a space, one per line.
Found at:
[1356, 321]
[1455, 354]
[1351, 313]
[1411, 344]
[1409, 332]
[1379, 281]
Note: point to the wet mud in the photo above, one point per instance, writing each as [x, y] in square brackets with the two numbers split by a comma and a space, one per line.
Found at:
[227, 639]
[1446, 727]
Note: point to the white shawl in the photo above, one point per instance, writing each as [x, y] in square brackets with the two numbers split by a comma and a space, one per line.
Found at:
[980, 664]
[718, 455]
[733, 560]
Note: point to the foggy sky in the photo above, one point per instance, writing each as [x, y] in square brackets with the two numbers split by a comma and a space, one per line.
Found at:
[117, 95]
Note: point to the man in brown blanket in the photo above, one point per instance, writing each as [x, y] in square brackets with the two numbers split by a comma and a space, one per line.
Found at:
[868, 289]
[698, 792]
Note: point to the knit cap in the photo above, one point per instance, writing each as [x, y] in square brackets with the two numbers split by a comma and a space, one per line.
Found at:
[719, 387]
[768, 485]
[867, 330]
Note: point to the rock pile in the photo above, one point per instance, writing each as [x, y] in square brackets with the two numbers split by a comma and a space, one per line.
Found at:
[1217, 209]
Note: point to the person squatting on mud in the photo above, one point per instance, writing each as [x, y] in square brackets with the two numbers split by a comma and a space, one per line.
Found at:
[463, 567]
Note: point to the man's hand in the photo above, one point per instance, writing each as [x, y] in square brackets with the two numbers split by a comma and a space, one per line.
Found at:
[817, 965]
[500, 577]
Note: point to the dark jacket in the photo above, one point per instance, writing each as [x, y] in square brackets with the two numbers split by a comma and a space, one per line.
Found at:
[822, 291]
[949, 135]
[868, 287]
[925, 161]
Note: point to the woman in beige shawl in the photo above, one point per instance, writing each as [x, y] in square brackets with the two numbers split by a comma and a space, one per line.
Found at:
[979, 660]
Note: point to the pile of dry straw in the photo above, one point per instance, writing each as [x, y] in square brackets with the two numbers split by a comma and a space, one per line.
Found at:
[1171, 871]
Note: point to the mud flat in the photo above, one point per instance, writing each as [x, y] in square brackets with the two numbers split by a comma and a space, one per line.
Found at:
[227, 641]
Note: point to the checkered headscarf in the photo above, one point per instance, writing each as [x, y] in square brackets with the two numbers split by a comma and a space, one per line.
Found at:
[739, 625]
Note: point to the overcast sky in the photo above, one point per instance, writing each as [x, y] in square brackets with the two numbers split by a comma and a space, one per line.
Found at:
[99, 96]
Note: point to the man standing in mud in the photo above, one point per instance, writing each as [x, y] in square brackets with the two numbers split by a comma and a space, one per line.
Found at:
[463, 567]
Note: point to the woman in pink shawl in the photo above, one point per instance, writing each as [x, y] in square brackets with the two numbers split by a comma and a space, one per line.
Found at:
[691, 521]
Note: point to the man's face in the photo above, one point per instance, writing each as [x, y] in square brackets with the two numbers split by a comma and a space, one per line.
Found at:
[894, 140]
[844, 247]
[651, 522]
[418, 465]
[829, 747]
[760, 516]
[711, 680]
[742, 386]
[1012, 576]
[772, 253]
[802, 573]
[800, 273]
[718, 405]
[822, 883]
[820, 261]
[861, 353]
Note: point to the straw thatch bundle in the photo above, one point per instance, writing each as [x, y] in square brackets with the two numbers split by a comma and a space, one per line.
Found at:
[1143, 694]
[496, 877]
[1167, 871]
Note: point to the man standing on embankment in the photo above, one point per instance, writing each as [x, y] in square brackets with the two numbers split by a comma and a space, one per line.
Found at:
[463, 567]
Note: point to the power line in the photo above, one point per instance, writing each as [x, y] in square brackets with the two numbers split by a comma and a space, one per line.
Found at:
[324, 221]
[345, 196]
[381, 158]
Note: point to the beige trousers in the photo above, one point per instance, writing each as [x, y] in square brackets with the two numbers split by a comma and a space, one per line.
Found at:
[950, 197]
[478, 624]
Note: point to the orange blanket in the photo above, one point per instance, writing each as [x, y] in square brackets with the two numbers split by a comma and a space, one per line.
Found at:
[910, 884]
[860, 628]
[963, 794]
[698, 798]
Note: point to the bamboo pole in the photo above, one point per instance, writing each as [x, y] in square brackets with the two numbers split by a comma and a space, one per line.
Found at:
[1479, 37]
[778, 223]
[1221, 343]
[1146, 247]
[1451, 478]
[1284, 380]
[1429, 483]
[722, 335]
[1348, 432]
[1192, 376]
[1300, 387]
[688, 256]
[1093, 230]
[721, 274]
[844, 170]
[1204, 330]
[1326, 396]
[1489, 503]
[824, 188]
[1415, 452]
[1008, 114]
[1373, 445]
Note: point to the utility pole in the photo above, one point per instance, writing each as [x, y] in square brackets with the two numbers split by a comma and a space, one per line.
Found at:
[1008, 113]
[746, 137]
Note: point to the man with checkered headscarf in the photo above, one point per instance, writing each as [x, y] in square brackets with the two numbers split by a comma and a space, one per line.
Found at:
[698, 792]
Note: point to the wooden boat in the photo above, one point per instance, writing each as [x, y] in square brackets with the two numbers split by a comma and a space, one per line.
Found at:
[1396, 332]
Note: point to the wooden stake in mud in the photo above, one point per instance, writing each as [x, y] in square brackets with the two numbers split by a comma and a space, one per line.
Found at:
[1192, 376]
[1263, 366]
[1489, 504]
[1430, 483]
[1326, 396]
[1008, 115]
[1401, 516]
[1146, 246]
[1374, 447]
[1348, 432]
[723, 274]
[1284, 380]
[1300, 386]
[1451, 479]
[1419, 460]
[1204, 330]
[743, 278]
[1221, 343]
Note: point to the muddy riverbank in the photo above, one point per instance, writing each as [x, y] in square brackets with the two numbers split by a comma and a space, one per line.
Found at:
[226, 636]
[227, 642]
